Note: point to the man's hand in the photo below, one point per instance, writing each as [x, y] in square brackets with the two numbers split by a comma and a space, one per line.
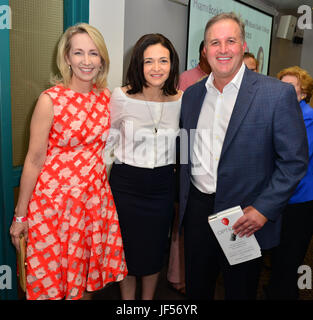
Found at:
[250, 222]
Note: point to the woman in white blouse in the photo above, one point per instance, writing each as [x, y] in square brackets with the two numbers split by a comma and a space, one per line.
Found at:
[144, 126]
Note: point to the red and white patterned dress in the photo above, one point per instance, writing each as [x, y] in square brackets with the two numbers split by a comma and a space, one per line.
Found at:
[74, 240]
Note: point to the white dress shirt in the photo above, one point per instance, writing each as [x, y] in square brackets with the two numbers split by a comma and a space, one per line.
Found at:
[132, 135]
[212, 125]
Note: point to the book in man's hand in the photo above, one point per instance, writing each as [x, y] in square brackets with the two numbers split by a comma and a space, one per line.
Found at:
[236, 249]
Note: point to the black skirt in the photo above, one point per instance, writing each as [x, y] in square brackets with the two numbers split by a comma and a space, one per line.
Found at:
[144, 200]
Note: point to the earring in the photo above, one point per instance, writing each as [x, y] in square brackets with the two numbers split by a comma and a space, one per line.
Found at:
[69, 67]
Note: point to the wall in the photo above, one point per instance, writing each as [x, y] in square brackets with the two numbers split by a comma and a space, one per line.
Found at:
[261, 5]
[307, 51]
[143, 16]
[284, 53]
[155, 16]
[108, 17]
[122, 22]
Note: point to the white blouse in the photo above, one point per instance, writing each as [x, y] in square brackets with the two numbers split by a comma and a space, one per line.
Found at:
[133, 138]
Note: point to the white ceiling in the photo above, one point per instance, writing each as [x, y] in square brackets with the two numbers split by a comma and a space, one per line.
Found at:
[288, 4]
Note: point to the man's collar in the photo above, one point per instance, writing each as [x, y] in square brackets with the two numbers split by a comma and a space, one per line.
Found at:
[236, 81]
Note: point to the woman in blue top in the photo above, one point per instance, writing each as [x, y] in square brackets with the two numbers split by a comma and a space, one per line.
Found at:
[297, 218]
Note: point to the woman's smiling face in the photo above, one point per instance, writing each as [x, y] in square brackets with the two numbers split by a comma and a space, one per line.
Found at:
[156, 65]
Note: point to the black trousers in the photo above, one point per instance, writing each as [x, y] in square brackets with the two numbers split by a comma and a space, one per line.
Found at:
[204, 258]
[296, 234]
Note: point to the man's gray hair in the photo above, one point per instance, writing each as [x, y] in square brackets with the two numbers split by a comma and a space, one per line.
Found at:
[224, 16]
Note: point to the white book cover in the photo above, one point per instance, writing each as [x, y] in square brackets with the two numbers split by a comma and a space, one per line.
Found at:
[236, 249]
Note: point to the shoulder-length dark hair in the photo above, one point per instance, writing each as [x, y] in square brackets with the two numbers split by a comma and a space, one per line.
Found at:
[135, 77]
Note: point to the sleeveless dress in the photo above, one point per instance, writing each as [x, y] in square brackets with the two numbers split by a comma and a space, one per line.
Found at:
[74, 240]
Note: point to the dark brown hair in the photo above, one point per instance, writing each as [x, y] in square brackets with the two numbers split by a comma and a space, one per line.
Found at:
[135, 77]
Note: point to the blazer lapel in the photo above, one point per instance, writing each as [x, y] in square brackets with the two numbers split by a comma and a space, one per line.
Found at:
[195, 106]
[245, 96]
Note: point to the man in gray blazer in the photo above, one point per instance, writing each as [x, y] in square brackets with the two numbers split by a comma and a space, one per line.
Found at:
[246, 146]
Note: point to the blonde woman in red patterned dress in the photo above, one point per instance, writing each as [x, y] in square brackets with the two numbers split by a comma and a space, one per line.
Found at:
[65, 208]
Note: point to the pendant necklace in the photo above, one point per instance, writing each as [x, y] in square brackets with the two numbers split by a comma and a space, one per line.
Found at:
[156, 124]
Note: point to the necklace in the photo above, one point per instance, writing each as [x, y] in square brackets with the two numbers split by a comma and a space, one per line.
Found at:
[156, 124]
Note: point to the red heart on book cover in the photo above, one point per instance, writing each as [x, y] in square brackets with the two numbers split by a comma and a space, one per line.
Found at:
[225, 221]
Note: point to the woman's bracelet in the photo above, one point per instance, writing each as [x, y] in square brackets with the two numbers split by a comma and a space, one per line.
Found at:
[19, 219]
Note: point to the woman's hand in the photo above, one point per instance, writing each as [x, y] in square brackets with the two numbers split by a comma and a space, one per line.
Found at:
[18, 229]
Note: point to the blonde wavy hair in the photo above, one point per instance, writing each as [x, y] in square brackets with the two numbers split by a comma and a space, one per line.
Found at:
[65, 46]
[306, 81]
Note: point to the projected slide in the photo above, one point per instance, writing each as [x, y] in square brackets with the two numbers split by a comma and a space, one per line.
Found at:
[258, 28]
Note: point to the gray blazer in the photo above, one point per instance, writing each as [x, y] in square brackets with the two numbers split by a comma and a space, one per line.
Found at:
[265, 151]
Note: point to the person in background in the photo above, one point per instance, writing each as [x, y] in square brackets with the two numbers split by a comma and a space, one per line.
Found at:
[297, 217]
[247, 147]
[260, 59]
[65, 208]
[250, 61]
[145, 124]
[176, 265]
[189, 77]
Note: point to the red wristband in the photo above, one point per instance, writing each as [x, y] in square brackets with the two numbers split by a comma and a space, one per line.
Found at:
[19, 219]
